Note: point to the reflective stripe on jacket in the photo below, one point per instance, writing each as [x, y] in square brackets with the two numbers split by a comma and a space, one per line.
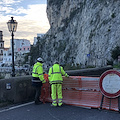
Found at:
[55, 74]
[37, 73]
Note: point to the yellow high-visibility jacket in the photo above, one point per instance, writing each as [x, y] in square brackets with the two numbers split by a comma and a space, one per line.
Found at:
[55, 74]
[37, 73]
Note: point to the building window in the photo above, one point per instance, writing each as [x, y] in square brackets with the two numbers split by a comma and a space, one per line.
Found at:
[24, 48]
[1, 45]
[9, 54]
[28, 48]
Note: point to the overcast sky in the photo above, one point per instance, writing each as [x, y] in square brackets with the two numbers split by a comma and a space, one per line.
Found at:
[30, 15]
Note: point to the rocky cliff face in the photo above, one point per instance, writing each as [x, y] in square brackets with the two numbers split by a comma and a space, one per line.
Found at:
[83, 32]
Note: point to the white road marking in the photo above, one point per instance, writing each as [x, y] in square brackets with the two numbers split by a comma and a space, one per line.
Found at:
[14, 107]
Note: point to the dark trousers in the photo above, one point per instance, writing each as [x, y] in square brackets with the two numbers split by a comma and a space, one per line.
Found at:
[37, 92]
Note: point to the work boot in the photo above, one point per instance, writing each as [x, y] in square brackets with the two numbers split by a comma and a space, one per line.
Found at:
[53, 104]
[60, 104]
[38, 102]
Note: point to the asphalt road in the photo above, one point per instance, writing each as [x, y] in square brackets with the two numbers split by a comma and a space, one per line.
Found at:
[30, 111]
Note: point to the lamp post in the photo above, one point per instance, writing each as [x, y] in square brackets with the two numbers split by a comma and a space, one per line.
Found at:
[12, 26]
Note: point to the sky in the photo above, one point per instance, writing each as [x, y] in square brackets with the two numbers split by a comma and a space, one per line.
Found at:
[30, 15]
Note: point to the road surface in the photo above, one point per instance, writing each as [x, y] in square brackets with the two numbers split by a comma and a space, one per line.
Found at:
[30, 111]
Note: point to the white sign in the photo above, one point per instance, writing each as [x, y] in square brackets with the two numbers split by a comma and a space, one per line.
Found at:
[111, 83]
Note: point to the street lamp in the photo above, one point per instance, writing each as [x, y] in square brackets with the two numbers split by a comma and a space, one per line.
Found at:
[12, 26]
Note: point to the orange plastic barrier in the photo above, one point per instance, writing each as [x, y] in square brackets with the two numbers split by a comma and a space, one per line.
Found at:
[110, 104]
[45, 90]
[81, 91]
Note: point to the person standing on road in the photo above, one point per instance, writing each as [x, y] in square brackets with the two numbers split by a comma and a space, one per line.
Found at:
[55, 79]
[38, 79]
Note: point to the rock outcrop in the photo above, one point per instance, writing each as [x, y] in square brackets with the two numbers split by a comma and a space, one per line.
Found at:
[82, 32]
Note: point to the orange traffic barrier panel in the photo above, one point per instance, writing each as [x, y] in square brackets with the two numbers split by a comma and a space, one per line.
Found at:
[81, 91]
[45, 89]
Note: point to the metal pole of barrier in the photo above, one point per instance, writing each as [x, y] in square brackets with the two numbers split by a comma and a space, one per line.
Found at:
[101, 101]
[110, 104]
[119, 103]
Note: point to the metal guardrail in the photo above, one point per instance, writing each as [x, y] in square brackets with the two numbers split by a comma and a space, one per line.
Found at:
[9, 69]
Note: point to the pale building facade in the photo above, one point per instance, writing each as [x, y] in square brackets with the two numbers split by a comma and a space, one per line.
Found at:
[21, 47]
[35, 38]
[1, 46]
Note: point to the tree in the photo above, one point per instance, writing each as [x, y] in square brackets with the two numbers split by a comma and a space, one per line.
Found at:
[115, 53]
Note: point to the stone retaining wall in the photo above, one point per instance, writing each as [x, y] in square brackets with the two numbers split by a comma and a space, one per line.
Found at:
[93, 72]
[17, 89]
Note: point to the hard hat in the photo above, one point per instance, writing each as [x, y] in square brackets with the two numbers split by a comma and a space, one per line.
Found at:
[56, 62]
[40, 60]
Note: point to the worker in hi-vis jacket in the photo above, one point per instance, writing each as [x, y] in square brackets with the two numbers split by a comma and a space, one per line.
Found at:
[38, 79]
[56, 80]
